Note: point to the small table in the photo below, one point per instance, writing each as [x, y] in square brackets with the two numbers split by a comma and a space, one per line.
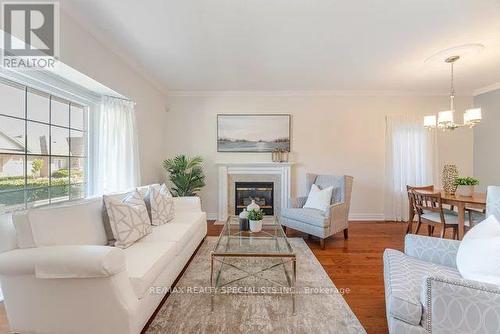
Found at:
[271, 243]
[477, 200]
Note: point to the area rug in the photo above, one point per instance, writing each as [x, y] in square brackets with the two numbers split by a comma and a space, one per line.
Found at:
[320, 307]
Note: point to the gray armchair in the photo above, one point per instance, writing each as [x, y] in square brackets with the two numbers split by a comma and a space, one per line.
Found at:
[425, 293]
[319, 223]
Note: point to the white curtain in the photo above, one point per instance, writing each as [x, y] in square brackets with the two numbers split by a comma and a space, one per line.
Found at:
[114, 164]
[411, 159]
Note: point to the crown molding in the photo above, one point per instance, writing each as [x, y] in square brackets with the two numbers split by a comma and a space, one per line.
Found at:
[297, 93]
[486, 89]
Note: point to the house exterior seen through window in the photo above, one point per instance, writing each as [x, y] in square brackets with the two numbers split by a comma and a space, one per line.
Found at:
[43, 150]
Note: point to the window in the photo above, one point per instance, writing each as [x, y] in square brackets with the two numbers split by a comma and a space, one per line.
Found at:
[43, 147]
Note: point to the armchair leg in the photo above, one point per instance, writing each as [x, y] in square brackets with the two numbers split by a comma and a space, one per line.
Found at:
[322, 243]
[346, 233]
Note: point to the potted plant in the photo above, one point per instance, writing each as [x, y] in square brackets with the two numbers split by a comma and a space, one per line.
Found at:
[255, 219]
[186, 174]
[466, 185]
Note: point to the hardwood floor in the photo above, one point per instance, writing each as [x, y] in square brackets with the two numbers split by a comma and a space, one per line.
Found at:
[355, 264]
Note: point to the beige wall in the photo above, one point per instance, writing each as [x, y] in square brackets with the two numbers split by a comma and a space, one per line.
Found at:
[330, 134]
[83, 52]
[486, 137]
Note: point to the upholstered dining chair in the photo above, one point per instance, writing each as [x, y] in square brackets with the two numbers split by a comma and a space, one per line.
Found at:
[429, 210]
[322, 224]
[411, 205]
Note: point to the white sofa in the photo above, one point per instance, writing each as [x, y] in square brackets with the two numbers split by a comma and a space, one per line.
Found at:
[59, 276]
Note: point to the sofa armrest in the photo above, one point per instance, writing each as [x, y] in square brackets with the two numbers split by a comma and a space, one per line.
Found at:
[63, 262]
[187, 203]
[298, 202]
[435, 250]
[479, 302]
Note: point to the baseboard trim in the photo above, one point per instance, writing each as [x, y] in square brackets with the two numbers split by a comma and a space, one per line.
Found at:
[366, 217]
[352, 216]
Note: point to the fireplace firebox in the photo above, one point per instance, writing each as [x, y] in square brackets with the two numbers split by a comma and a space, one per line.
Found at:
[261, 192]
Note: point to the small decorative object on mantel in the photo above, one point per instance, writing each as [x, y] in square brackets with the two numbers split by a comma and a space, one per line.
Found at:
[280, 155]
[465, 186]
[243, 218]
[450, 175]
[255, 219]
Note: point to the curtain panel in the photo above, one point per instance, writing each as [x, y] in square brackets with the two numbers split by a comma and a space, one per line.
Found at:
[411, 159]
[115, 150]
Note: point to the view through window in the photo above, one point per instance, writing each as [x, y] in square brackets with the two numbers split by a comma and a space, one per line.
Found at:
[42, 147]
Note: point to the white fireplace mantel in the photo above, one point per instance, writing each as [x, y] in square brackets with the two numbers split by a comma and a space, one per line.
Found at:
[252, 168]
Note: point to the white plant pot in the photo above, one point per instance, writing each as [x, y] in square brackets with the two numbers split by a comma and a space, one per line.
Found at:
[255, 225]
[466, 191]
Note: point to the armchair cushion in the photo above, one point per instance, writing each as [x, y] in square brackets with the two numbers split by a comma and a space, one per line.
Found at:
[319, 198]
[436, 250]
[313, 217]
[478, 256]
[403, 277]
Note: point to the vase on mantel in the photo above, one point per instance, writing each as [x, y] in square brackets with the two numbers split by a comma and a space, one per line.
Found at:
[450, 175]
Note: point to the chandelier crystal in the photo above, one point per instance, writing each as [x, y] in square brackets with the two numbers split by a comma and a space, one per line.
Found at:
[446, 119]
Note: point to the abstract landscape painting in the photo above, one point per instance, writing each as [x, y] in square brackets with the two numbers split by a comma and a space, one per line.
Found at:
[253, 133]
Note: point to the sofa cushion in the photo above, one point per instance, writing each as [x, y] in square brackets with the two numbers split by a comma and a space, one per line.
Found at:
[481, 242]
[180, 230]
[8, 240]
[24, 235]
[403, 278]
[145, 261]
[73, 224]
[129, 218]
[306, 215]
[160, 204]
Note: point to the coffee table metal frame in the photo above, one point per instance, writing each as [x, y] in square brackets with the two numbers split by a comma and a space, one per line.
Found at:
[219, 256]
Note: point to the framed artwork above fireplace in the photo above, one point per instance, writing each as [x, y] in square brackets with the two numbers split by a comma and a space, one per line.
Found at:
[253, 132]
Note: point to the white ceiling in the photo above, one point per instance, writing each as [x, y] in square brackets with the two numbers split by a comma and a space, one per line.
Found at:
[288, 45]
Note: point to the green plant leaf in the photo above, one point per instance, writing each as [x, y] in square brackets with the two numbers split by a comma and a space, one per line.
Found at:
[186, 174]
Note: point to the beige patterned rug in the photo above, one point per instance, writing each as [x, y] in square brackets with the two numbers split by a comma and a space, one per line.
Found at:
[320, 308]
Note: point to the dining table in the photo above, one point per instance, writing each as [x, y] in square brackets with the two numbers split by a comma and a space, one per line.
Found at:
[461, 203]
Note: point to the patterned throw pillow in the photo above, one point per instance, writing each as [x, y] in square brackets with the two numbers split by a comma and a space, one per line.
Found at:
[160, 204]
[128, 218]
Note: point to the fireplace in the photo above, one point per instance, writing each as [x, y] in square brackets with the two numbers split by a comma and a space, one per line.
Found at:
[261, 192]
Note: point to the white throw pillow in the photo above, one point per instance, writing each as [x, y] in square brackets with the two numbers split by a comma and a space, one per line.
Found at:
[128, 218]
[319, 198]
[160, 204]
[478, 256]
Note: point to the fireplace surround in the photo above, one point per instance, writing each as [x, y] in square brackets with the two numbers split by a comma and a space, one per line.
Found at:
[232, 172]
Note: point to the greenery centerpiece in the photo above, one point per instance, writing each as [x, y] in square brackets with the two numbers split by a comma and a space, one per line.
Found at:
[186, 174]
[255, 217]
[465, 185]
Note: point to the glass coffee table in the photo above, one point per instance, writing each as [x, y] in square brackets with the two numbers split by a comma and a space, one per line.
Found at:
[236, 249]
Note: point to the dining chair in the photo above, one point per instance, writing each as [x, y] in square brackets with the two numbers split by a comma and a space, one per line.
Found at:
[429, 210]
[411, 205]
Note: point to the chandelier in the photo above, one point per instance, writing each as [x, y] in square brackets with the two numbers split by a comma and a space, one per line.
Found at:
[446, 119]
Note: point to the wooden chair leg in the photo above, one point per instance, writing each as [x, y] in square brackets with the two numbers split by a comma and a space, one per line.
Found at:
[418, 227]
[429, 230]
[408, 226]
[322, 243]
[443, 229]
[346, 233]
